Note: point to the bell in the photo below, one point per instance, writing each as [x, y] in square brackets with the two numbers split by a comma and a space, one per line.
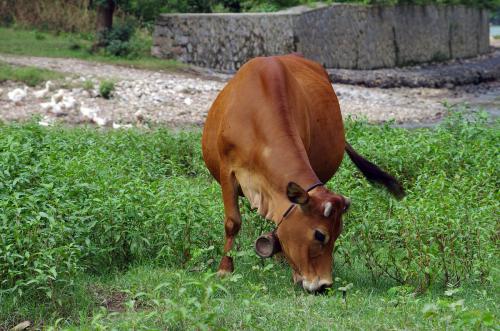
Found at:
[267, 245]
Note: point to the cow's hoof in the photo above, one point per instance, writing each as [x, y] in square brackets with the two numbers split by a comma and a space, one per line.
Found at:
[225, 266]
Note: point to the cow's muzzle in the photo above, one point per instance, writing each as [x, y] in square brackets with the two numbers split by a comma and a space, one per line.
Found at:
[267, 245]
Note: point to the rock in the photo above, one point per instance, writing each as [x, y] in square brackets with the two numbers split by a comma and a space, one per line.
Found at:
[46, 105]
[100, 121]
[188, 101]
[70, 103]
[139, 116]
[21, 326]
[178, 88]
[49, 85]
[89, 113]
[56, 98]
[17, 95]
[41, 93]
[158, 99]
[57, 110]
[121, 126]
[46, 121]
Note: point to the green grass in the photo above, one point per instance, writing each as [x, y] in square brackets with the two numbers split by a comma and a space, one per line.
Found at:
[35, 43]
[30, 76]
[123, 230]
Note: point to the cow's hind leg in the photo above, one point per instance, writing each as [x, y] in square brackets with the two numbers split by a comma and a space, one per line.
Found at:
[232, 220]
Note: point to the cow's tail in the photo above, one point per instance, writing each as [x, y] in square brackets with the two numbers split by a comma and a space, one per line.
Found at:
[374, 174]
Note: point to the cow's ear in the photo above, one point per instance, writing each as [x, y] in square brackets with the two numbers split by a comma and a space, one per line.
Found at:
[297, 194]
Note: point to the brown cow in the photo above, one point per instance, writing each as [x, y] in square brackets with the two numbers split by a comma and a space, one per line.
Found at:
[274, 134]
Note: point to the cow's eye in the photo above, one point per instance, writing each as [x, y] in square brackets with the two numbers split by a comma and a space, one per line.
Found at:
[319, 236]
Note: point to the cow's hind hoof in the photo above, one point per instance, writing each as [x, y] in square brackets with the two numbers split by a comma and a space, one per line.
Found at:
[225, 266]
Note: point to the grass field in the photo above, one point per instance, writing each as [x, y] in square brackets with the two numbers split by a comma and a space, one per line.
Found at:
[36, 43]
[123, 230]
[30, 76]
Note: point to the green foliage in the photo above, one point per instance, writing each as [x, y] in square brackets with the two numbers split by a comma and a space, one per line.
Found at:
[97, 209]
[30, 76]
[39, 35]
[147, 10]
[442, 232]
[74, 201]
[455, 313]
[23, 42]
[179, 302]
[80, 203]
[106, 88]
[118, 41]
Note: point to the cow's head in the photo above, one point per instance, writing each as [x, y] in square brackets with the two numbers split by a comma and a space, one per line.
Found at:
[307, 235]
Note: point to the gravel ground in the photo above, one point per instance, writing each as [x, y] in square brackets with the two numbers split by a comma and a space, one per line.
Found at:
[183, 99]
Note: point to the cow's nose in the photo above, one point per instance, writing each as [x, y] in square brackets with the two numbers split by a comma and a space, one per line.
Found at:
[323, 289]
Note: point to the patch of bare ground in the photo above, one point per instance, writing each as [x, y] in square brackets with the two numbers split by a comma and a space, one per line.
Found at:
[113, 301]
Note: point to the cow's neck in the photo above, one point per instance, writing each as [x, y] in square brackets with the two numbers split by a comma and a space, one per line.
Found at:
[268, 194]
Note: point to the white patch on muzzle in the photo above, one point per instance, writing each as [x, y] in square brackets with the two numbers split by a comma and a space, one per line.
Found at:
[313, 286]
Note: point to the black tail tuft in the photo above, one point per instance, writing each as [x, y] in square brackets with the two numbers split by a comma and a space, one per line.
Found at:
[374, 174]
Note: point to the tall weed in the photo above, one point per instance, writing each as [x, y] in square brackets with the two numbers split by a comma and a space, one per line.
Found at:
[55, 15]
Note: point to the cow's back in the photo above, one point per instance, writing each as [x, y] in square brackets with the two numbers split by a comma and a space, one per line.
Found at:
[276, 116]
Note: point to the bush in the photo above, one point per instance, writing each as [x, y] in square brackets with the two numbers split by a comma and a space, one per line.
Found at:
[443, 231]
[119, 41]
[119, 198]
[106, 88]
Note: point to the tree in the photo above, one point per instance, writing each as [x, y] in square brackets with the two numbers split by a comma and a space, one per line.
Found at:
[104, 21]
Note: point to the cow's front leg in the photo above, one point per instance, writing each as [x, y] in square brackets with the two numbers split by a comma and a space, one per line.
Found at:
[232, 219]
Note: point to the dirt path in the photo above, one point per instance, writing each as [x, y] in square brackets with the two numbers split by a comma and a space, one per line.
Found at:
[180, 99]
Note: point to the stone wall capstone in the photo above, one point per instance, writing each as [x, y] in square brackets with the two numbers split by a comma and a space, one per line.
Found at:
[338, 36]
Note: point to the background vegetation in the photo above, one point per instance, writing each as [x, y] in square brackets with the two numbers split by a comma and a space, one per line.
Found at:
[70, 45]
[79, 15]
[80, 207]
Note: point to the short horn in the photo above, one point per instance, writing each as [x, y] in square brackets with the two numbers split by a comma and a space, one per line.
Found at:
[347, 203]
[328, 209]
[267, 245]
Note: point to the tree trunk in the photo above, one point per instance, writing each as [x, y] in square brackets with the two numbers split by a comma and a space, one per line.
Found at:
[104, 21]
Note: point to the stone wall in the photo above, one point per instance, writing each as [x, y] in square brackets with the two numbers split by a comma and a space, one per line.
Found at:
[338, 36]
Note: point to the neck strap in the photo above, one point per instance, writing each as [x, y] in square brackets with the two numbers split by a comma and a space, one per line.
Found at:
[293, 205]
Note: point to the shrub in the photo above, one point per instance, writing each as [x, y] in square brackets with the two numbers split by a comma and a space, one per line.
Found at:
[119, 41]
[106, 88]
[442, 232]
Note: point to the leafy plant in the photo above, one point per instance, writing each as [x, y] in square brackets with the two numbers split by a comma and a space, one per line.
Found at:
[83, 201]
[106, 88]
